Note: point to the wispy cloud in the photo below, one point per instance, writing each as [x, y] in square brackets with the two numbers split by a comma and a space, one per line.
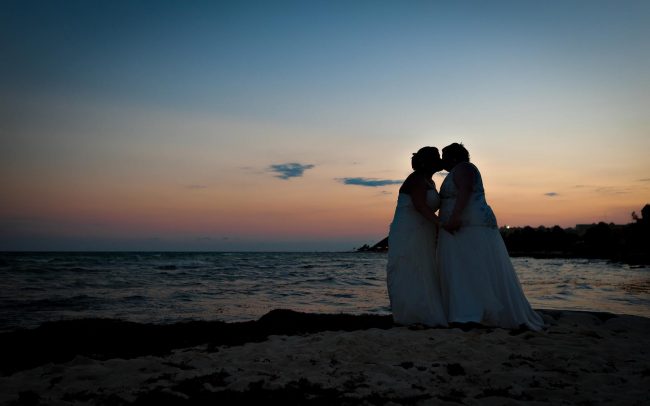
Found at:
[644, 180]
[289, 170]
[608, 190]
[369, 182]
[613, 190]
[551, 194]
[196, 187]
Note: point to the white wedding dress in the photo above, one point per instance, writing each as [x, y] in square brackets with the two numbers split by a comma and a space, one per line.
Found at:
[412, 278]
[479, 283]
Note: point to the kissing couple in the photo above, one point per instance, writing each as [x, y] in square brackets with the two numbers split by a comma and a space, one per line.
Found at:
[452, 267]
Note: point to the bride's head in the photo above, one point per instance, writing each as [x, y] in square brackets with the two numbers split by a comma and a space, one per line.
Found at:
[453, 154]
[427, 159]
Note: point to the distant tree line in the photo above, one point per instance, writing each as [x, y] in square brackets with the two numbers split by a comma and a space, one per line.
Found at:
[626, 243]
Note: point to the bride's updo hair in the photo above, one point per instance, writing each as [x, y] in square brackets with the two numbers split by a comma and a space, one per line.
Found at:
[457, 151]
[424, 157]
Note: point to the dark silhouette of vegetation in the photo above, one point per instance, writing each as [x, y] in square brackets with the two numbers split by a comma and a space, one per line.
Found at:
[626, 243]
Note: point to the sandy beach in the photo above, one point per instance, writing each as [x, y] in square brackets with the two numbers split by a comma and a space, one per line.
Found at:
[298, 358]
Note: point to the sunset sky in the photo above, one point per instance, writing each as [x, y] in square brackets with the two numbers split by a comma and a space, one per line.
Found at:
[275, 125]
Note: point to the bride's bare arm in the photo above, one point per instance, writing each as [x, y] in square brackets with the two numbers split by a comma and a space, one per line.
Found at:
[464, 181]
[418, 192]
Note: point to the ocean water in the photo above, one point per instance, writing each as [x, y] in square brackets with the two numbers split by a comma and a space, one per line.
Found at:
[171, 287]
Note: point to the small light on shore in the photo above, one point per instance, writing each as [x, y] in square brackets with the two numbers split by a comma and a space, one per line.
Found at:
[507, 227]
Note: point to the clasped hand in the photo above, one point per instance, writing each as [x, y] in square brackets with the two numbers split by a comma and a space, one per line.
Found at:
[452, 225]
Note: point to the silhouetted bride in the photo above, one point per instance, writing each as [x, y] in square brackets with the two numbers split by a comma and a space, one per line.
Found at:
[479, 283]
[413, 285]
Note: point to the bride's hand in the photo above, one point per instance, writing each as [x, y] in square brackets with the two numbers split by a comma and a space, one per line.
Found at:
[452, 225]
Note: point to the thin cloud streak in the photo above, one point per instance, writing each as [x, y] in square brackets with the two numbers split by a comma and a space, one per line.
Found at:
[368, 182]
[551, 194]
[613, 190]
[289, 170]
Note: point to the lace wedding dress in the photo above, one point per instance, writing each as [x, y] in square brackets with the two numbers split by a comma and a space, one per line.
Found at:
[479, 283]
[412, 278]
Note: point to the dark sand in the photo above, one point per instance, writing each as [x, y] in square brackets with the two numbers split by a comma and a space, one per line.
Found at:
[296, 358]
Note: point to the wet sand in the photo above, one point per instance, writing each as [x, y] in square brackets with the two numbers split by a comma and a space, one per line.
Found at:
[299, 358]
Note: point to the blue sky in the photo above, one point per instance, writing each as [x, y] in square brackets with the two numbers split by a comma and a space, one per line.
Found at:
[111, 108]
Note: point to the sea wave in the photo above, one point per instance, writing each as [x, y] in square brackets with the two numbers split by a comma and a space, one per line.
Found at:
[155, 287]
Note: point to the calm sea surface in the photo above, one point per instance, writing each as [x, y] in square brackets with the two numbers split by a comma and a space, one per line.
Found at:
[170, 287]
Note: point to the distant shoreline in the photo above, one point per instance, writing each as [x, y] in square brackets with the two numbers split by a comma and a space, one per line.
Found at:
[629, 243]
[631, 260]
[640, 259]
